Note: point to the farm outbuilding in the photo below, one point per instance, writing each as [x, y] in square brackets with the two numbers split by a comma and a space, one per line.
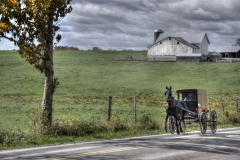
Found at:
[215, 56]
[166, 46]
[229, 51]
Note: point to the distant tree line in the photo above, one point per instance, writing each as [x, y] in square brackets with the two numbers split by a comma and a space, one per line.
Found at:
[66, 48]
[96, 49]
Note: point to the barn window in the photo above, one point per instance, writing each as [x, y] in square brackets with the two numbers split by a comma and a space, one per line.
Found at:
[177, 42]
[170, 38]
[160, 42]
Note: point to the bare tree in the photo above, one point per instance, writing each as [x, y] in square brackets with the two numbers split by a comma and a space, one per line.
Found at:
[238, 41]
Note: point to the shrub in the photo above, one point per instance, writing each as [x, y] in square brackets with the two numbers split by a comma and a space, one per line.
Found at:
[116, 124]
[229, 118]
[11, 136]
[36, 127]
[145, 122]
[76, 127]
[233, 117]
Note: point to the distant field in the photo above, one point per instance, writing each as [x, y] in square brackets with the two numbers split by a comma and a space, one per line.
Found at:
[87, 78]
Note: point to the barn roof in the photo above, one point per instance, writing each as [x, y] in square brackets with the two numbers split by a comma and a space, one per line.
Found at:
[185, 42]
[215, 54]
[222, 49]
[192, 38]
[180, 39]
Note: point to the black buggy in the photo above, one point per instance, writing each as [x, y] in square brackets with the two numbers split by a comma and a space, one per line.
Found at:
[194, 103]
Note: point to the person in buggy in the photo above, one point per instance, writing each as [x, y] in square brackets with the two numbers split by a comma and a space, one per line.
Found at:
[189, 97]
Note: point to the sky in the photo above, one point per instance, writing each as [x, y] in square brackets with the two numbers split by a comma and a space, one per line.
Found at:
[130, 24]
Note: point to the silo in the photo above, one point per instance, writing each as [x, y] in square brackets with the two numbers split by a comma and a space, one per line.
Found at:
[157, 32]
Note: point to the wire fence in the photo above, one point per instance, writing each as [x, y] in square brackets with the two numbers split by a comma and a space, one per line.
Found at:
[133, 109]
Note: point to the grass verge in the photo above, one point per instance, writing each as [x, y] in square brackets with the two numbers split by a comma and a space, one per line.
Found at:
[75, 130]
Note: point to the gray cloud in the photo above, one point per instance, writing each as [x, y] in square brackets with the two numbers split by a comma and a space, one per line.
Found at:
[201, 14]
[122, 24]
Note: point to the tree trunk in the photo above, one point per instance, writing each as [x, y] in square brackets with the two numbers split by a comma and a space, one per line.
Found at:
[49, 74]
[47, 99]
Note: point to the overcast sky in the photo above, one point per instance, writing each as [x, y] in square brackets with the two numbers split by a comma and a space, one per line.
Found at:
[129, 24]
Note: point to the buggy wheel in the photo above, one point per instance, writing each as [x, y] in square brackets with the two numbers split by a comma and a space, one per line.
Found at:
[183, 126]
[203, 122]
[171, 124]
[213, 121]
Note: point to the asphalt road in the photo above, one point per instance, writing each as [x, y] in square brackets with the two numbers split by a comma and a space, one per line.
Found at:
[224, 145]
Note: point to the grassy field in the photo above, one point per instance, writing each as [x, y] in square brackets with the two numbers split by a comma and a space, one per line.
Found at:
[88, 78]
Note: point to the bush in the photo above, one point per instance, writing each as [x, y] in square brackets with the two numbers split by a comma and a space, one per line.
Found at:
[116, 124]
[11, 136]
[76, 127]
[36, 127]
[145, 122]
[232, 117]
[229, 118]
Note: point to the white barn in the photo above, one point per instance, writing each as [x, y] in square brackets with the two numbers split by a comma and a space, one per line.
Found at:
[170, 46]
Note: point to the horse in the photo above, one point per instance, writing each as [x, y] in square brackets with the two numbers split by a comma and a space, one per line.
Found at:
[174, 108]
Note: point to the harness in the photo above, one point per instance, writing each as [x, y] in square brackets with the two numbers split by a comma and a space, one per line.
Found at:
[172, 103]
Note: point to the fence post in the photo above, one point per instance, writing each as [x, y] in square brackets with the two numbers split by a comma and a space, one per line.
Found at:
[237, 104]
[135, 110]
[109, 107]
[222, 107]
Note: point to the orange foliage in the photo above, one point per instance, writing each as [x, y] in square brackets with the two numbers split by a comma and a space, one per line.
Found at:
[13, 2]
[3, 27]
[32, 21]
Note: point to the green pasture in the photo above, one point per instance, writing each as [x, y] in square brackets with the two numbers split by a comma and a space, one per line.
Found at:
[88, 78]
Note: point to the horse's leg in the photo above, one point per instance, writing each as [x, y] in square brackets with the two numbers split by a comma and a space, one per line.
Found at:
[183, 119]
[176, 121]
[180, 121]
[166, 119]
[180, 125]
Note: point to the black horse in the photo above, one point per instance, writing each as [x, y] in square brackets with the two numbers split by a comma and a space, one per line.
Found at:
[174, 108]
